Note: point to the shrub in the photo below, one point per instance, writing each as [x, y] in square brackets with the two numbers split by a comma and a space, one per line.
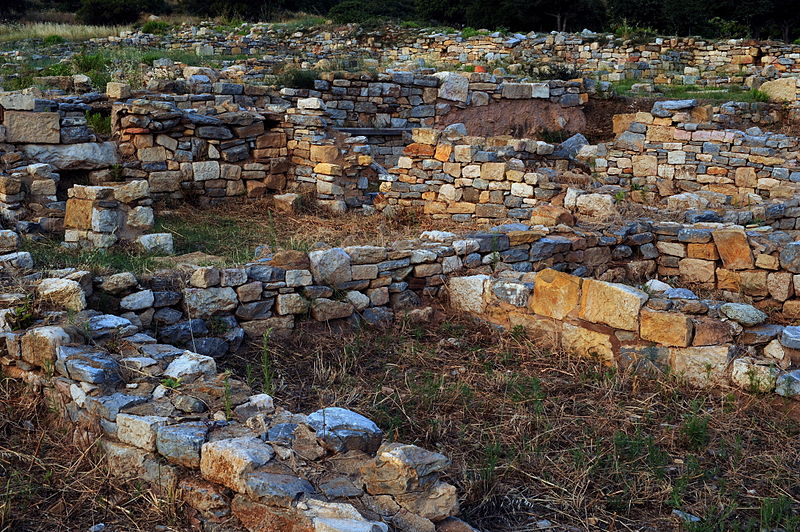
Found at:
[58, 69]
[98, 123]
[469, 31]
[298, 79]
[156, 27]
[51, 40]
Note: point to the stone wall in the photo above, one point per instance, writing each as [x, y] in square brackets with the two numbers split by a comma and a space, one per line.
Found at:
[676, 148]
[168, 417]
[216, 152]
[708, 342]
[448, 174]
[101, 216]
[686, 60]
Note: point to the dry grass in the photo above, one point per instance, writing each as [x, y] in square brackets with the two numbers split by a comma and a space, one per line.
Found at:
[534, 434]
[70, 32]
[234, 235]
[47, 483]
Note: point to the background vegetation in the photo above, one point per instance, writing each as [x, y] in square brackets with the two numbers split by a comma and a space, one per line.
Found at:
[761, 19]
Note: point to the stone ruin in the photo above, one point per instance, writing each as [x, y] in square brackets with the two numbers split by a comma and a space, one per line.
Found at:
[672, 246]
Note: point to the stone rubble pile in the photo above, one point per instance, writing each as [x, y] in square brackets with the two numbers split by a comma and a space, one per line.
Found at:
[166, 416]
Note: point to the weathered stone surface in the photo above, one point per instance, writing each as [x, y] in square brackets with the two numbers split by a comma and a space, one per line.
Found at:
[614, 304]
[323, 309]
[466, 293]
[701, 365]
[191, 366]
[86, 156]
[62, 294]
[555, 294]
[697, 271]
[711, 331]
[229, 462]
[139, 431]
[343, 430]
[733, 248]
[788, 384]
[277, 489]
[331, 266]
[666, 328]
[181, 443]
[742, 313]
[453, 87]
[39, 345]
[399, 468]
[596, 205]
[205, 302]
[753, 375]
[138, 300]
[780, 90]
[586, 342]
[33, 128]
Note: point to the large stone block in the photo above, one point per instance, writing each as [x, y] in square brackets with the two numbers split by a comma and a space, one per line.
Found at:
[734, 249]
[666, 328]
[61, 294]
[331, 266]
[616, 305]
[454, 87]
[228, 462]
[84, 156]
[781, 90]
[701, 365]
[586, 342]
[32, 128]
[205, 302]
[39, 345]
[466, 293]
[696, 271]
[555, 294]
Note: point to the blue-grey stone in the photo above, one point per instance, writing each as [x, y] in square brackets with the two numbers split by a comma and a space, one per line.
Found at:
[210, 346]
[513, 293]
[108, 406]
[181, 443]
[343, 430]
[788, 384]
[680, 293]
[790, 257]
[790, 337]
[747, 315]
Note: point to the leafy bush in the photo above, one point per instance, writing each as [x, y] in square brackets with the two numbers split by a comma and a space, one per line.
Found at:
[297, 79]
[99, 123]
[58, 69]
[51, 40]
[156, 26]
[469, 31]
[727, 29]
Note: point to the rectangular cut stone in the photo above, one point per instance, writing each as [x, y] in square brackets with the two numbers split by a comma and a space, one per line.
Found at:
[587, 343]
[696, 271]
[614, 304]
[33, 128]
[79, 214]
[666, 328]
[702, 251]
[701, 365]
[555, 294]
[734, 249]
